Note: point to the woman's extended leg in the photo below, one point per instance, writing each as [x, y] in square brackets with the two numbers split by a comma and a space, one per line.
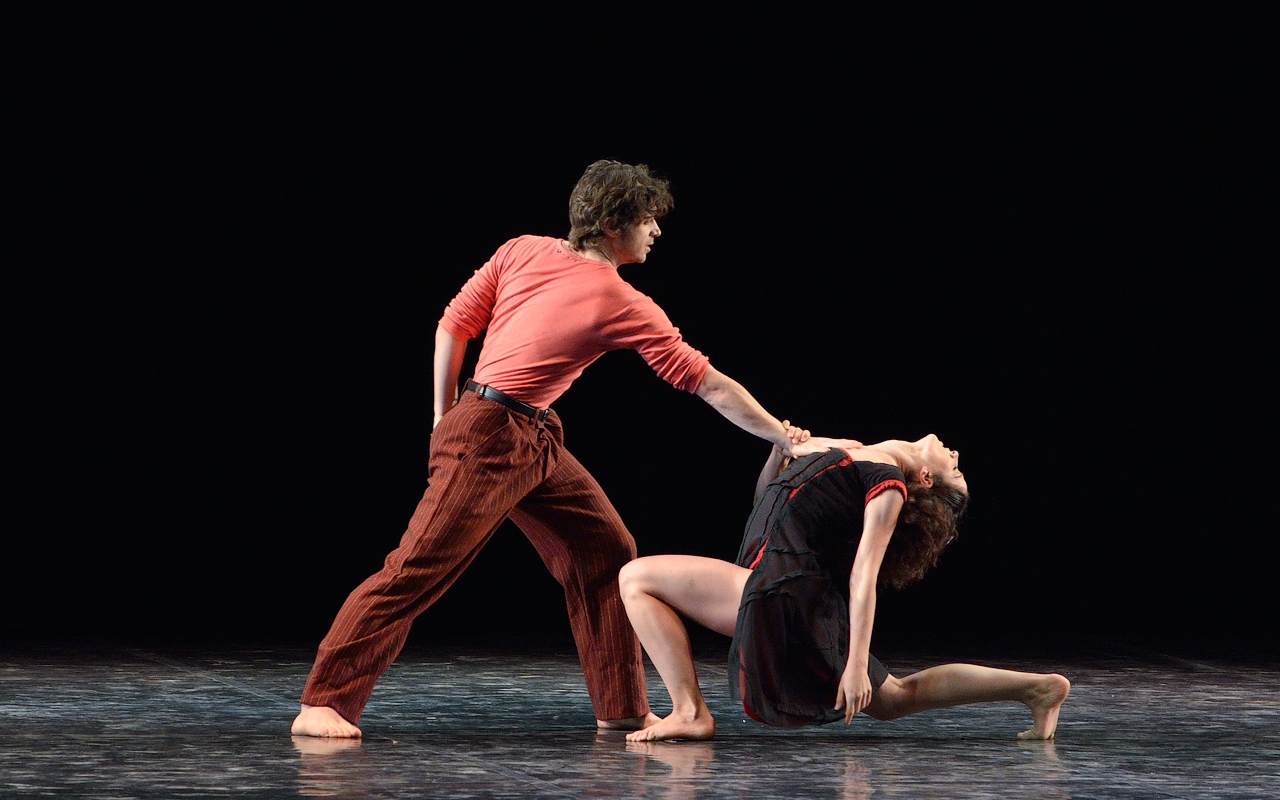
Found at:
[960, 684]
[656, 590]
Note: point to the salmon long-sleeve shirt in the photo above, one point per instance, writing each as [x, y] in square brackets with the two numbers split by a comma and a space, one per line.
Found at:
[550, 313]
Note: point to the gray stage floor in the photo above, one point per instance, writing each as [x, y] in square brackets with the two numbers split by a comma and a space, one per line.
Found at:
[116, 723]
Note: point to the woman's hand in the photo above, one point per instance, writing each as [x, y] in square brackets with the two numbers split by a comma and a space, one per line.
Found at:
[854, 693]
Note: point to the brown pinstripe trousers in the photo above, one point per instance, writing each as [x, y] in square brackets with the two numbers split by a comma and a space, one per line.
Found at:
[489, 463]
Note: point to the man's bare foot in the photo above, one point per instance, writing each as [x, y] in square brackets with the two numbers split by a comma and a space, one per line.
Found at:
[323, 721]
[1045, 703]
[696, 726]
[321, 746]
[629, 723]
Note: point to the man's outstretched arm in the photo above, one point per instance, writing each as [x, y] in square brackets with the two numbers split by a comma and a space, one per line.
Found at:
[448, 363]
[736, 404]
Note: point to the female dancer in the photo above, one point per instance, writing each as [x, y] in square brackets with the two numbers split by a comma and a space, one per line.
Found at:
[801, 633]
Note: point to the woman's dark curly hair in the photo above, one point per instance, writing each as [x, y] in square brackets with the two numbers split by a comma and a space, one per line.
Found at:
[622, 194]
[926, 525]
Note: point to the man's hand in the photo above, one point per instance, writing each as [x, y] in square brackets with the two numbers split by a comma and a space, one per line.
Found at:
[796, 435]
[798, 447]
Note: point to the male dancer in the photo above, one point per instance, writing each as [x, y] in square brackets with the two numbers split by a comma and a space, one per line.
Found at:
[551, 307]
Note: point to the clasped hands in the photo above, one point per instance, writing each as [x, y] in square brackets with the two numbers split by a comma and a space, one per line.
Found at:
[803, 444]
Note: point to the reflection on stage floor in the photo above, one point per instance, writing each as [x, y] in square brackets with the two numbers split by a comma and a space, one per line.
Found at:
[116, 722]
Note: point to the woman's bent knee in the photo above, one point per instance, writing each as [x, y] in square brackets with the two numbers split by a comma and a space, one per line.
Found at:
[633, 577]
[890, 701]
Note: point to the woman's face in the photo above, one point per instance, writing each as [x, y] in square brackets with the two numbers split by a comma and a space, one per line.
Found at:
[942, 462]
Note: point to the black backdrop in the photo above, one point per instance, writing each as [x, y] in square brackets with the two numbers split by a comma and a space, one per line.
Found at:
[1044, 237]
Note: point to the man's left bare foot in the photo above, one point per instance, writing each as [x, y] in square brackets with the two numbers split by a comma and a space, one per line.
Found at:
[323, 746]
[323, 721]
[628, 724]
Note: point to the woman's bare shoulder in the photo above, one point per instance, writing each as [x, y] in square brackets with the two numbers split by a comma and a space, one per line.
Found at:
[858, 451]
[864, 452]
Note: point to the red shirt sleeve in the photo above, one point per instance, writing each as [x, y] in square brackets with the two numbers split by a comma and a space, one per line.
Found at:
[472, 310]
[645, 328]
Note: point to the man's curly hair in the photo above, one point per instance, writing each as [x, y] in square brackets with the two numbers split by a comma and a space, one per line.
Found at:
[926, 525]
[617, 193]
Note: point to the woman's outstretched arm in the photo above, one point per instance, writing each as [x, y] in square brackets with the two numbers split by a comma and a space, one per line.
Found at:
[879, 518]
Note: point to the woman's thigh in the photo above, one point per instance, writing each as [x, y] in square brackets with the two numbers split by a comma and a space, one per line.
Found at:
[706, 590]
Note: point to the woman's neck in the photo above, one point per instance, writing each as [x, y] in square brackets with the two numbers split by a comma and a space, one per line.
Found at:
[904, 455]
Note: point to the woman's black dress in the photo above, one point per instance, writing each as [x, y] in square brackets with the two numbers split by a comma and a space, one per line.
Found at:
[791, 642]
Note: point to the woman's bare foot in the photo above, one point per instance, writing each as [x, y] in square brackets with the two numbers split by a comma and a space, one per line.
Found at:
[1045, 702]
[323, 721]
[698, 725]
[628, 724]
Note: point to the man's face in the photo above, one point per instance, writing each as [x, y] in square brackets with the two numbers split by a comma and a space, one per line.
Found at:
[634, 243]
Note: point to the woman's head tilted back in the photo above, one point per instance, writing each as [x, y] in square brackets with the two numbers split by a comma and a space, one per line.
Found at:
[937, 496]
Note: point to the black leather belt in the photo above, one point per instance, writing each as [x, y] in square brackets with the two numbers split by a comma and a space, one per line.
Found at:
[490, 393]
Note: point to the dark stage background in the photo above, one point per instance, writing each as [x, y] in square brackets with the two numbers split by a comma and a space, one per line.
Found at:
[1047, 236]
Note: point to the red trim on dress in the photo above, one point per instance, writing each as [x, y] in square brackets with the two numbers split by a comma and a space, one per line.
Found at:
[742, 690]
[878, 489]
[844, 462]
[884, 486]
